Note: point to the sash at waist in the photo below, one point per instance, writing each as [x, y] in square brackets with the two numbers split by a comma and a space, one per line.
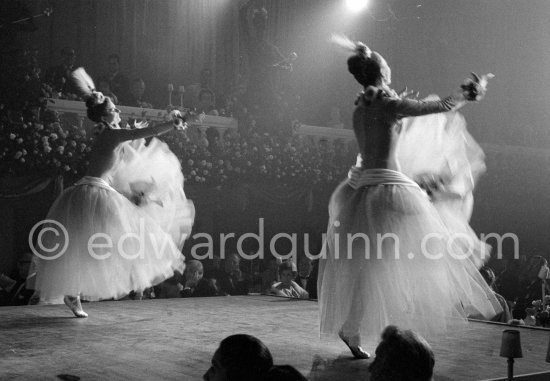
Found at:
[358, 177]
[95, 181]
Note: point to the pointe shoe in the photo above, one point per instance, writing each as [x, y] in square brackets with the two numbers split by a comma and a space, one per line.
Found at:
[75, 306]
[357, 351]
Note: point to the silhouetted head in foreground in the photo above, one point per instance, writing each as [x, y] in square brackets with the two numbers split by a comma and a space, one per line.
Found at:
[402, 356]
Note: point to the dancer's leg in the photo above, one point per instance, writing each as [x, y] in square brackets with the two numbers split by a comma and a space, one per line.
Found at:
[73, 302]
[350, 332]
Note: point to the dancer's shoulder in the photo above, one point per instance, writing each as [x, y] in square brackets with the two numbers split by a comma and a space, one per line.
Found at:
[370, 95]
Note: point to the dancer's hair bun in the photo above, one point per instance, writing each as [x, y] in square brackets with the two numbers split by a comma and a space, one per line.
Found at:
[361, 64]
[362, 50]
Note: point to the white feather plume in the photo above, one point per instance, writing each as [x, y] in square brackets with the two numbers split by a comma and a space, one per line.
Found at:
[349, 45]
[342, 41]
[83, 82]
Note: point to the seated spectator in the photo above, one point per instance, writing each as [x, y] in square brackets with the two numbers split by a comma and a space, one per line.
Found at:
[118, 82]
[307, 276]
[104, 86]
[7, 286]
[135, 98]
[206, 102]
[233, 281]
[287, 286]
[507, 283]
[58, 77]
[171, 287]
[270, 276]
[195, 284]
[402, 356]
[6, 283]
[240, 357]
[148, 293]
[530, 286]
[505, 316]
[13, 289]
[193, 89]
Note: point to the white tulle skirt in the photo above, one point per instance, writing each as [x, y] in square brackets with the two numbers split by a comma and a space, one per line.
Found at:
[402, 268]
[117, 240]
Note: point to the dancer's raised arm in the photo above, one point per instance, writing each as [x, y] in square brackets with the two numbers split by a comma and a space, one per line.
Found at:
[121, 135]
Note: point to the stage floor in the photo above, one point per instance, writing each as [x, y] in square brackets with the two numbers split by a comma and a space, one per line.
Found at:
[174, 339]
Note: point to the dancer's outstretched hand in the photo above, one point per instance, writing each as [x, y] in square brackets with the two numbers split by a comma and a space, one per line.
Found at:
[178, 119]
[406, 93]
[475, 88]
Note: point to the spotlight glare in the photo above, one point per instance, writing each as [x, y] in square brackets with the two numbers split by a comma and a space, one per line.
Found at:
[356, 5]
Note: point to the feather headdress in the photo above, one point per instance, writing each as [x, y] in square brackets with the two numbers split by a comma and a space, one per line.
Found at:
[86, 86]
[356, 47]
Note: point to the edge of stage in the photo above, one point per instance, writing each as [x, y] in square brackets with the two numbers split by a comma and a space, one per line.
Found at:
[174, 339]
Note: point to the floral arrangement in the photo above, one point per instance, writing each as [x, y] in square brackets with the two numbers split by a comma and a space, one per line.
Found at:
[32, 147]
[259, 158]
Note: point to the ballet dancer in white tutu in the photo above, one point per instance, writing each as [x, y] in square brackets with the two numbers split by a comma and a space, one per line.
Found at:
[124, 223]
[391, 254]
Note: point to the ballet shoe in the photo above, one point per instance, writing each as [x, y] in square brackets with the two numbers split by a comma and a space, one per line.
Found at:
[357, 351]
[75, 306]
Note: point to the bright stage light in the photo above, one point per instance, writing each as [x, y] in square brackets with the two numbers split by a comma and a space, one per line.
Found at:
[356, 5]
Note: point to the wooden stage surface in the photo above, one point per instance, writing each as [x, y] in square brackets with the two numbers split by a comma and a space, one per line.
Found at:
[174, 339]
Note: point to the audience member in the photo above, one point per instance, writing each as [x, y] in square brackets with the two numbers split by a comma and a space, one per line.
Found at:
[7, 285]
[13, 289]
[148, 293]
[135, 99]
[118, 82]
[240, 357]
[233, 281]
[58, 77]
[195, 284]
[206, 102]
[307, 276]
[245, 358]
[171, 287]
[104, 85]
[193, 90]
[530, 286]
[529, 281]
[402, 356]
[270, 276]
[507, 283]
[505, 316]
[287, 286]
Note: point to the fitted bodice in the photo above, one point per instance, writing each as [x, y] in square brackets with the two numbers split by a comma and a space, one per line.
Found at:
[104, 156]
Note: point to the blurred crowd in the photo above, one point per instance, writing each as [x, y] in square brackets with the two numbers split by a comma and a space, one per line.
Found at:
[37, 140]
